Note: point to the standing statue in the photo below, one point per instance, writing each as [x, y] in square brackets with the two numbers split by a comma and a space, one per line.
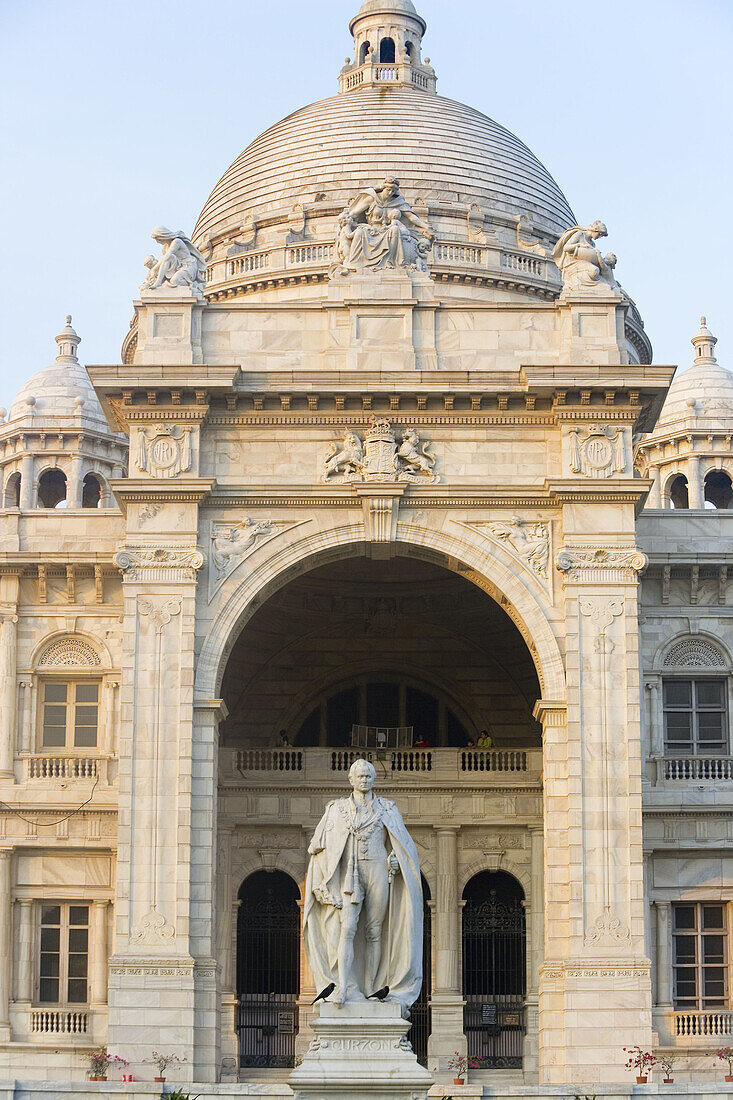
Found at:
[581, 264]
[181, 264]
[380, 230]
[362, 918]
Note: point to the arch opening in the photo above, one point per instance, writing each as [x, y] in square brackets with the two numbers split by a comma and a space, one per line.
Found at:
[387, 51]
[11, 496]
[494, 969]
[52, 489]
[718, 490]
[366, 644]
[268, 970]
[91, 492]
[678, 492]
[364, 52]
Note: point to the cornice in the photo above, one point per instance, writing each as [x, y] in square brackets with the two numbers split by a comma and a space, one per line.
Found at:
[171, 490]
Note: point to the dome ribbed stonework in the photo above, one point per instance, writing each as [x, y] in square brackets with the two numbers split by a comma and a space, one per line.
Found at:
[442, 151]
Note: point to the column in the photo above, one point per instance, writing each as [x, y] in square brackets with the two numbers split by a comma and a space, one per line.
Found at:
[536, 944]
[306, 1012]
[73, 485]
[226, 930]
[664, 967]
[447, 999]
[654, 500]
[27, 488]
[25, 950]
[99, 954]
[5, 942]
[695, 488]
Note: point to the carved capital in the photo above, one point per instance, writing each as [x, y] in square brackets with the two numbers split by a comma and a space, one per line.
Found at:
[159, 563]
[594, 564]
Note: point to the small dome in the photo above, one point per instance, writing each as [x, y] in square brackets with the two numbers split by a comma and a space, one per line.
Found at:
[61, 390]
[387, 7]
[703, 390]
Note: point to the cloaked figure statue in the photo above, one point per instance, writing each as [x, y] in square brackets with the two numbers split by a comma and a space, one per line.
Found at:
[362, 920]
[379, 230]
[181, 264]
[581, 265]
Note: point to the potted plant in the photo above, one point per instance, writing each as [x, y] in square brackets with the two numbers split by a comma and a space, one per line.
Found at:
[642, 1061]
[100, 1061]
[460, 1064]
[667, 1061]
[162, 1061]
[725, 1054]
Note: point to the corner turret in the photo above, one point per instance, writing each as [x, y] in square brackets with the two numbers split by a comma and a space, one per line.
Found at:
[387, 48]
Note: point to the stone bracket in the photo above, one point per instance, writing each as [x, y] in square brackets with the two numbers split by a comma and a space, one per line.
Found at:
[381, 505]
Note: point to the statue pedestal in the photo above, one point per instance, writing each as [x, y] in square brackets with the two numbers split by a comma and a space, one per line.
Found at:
[360, 1052]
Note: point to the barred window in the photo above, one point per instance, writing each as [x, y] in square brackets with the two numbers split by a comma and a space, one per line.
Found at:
[70, 714]
[64, 953]
[695, 716]
[700, 955]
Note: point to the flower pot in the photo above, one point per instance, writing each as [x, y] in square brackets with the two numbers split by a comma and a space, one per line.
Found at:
[99, 1078]
[729, 1076]
[668, 1080]
[159, 1078]
[457, 1080]
[641, 1080]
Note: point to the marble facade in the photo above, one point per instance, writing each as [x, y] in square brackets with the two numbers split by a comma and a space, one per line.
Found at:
[450, 471]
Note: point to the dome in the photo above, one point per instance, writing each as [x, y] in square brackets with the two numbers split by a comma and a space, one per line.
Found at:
[704, 389]
[61, 390]
[388, 7]
[439, 149]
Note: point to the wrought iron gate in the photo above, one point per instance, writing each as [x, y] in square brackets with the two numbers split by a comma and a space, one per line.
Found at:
[420, 1012]
[268, 970]
[494, 970]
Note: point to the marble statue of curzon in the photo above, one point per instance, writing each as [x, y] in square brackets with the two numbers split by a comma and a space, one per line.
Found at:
[363, 910]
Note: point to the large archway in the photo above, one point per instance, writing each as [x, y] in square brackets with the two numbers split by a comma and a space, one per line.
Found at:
[367, 643]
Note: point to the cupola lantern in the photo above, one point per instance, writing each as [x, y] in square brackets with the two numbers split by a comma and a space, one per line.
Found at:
[387, 48]
[704, 344]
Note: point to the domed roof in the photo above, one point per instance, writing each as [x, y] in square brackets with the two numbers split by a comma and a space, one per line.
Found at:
[705, 389]
[439, 149]
[61, 390]
[398, 7]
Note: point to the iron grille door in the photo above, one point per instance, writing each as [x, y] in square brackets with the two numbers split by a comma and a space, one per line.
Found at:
[268, 970]
[420, 1011]
[494, 979]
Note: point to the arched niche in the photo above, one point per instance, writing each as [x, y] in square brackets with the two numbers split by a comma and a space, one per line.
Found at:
[718, 490]
[387, 51]
[11, 492]
[52, 489]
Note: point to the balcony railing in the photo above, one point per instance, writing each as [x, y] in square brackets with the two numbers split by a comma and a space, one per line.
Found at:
[708, 768]
[440, 764]
[703, 1025]
[42, 766]
[46, 1021]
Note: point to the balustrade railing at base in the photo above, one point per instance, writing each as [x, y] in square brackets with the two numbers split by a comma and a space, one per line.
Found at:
[711, 1025]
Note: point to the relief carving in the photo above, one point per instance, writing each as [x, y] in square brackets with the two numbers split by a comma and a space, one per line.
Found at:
[600, 453]
[529, 539]
[230, 542]
[164, 450]
[588, 563]
[160, 612]
[143, 564]
[153, 929]
[380, 457]
[607, 930]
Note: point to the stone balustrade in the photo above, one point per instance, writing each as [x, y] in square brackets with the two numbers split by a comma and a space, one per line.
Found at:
[57, 1022]
[683, 769]
[39, 766]
[703, 1025]
[485, 767]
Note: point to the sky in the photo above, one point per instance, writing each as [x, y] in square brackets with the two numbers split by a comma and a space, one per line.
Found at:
[118, 116]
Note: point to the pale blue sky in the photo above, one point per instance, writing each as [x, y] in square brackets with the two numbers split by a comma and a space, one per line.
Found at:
[119, 116]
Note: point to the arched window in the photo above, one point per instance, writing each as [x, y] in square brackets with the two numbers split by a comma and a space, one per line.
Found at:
[91, 492]
[678, 493]
[409, 49]
[70, 687]
[718, 490]
[11, 496]
[268, 969]
[364, 52]
[384, 703]
[387, 51]
[420, 1011]
[695, 699]
[494, 969]
[52, 489]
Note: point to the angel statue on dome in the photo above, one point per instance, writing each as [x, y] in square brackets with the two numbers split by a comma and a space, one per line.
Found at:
[581, 265]
[379, 231]
[181, 264]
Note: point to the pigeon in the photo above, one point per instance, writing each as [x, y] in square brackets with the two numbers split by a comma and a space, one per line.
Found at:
[381, 994]
[325, 993]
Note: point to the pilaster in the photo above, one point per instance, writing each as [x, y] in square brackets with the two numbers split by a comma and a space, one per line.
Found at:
[6, 855]
[447, 1000]
[9, 589]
